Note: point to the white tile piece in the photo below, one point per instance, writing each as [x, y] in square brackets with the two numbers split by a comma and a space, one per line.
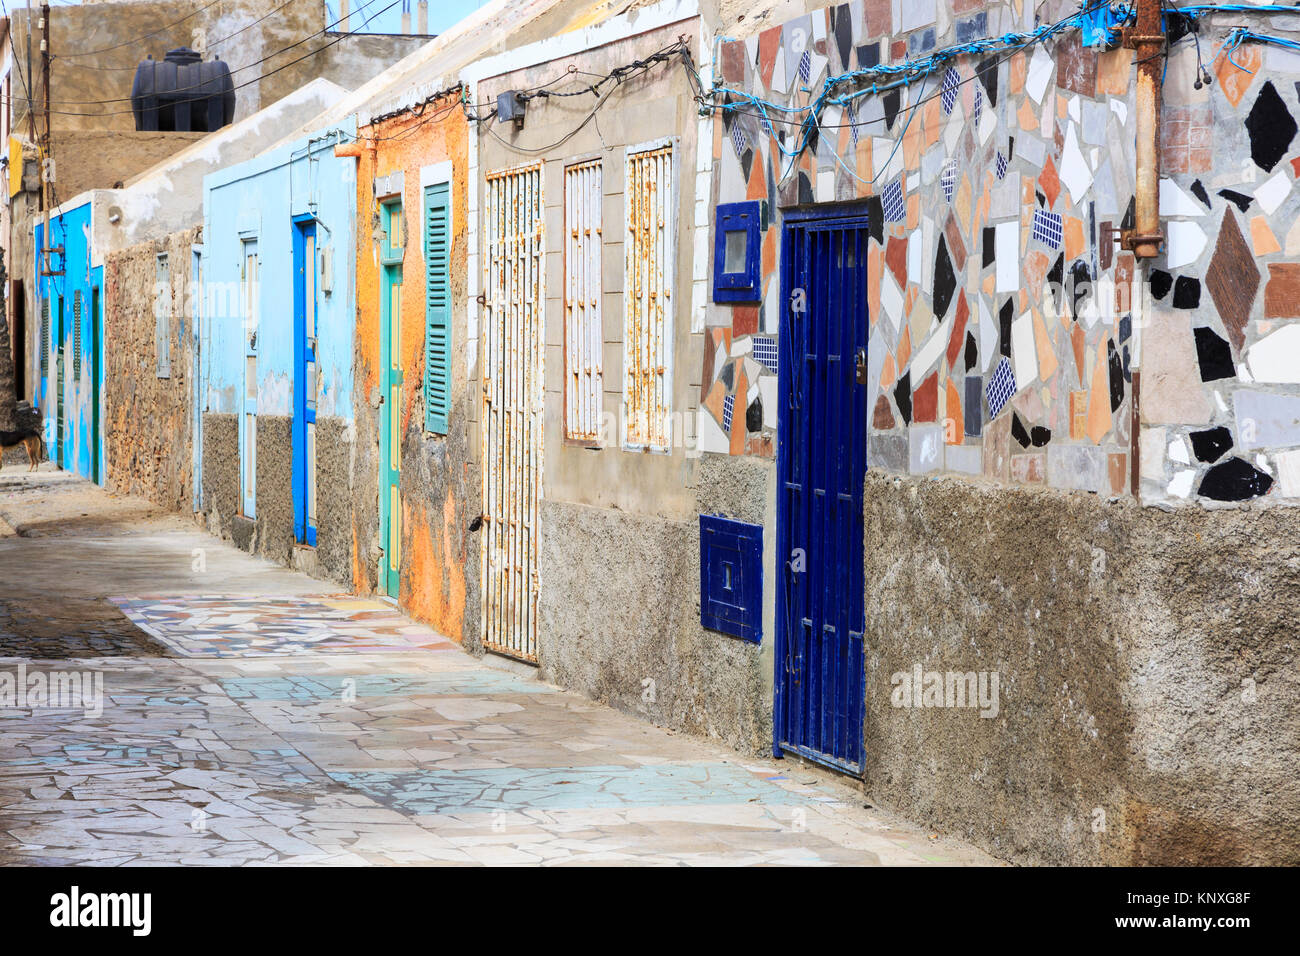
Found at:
[1175, 202]
[1181, 486]
[1040, 72]
[1276, 357]
[1178, 452]
[891, 298]
[988, 341]
[1006, 245]
[1075, 173]
[1273, 192]
[1024, 353]
[1288, 470]
[930, 350]
[1186, 241]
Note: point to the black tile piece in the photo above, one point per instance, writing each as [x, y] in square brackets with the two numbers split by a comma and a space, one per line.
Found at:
[842, 27]
[988, 74]
[869, 55]
[1234, 480]
[988, 243]
[1018, 431]
[1213, 354]
[1005, 315]
[1271, 127]
[805, 189]
[754, 415]
[891, 101]
[1125, 327]
[1128, 368]
[1039, 435]
[876, 220]
[1130, 215]
[1240, 200]
[1198, 190]
[1080, 285]
[1161, 283]
[972, 352]
[1187, 292]
[945, 280]
[1211, 443]
[903, 397]
[1116, 370]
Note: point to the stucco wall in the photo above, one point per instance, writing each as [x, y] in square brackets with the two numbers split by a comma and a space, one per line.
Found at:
[149, 426]
[1148, 698]
[439, 488]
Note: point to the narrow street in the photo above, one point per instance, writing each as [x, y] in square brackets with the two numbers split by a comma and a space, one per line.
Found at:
[250, 716]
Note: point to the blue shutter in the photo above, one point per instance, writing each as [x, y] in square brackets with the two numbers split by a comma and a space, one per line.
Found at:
[437, 309]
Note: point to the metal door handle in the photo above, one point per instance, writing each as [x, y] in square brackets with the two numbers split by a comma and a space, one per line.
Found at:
[861, 367]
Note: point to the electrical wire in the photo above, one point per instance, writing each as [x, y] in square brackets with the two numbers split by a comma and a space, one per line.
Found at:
[195, 99]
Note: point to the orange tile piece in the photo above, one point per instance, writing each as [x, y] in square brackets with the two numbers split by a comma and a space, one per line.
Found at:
[905, 346]
[1073, 238]
[1047, 363]
[1235, 78]
[1262, 238]
[953, 423]
[1099, 396]
[887, 372]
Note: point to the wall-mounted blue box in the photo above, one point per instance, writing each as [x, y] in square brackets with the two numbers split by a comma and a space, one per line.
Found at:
[731, 577]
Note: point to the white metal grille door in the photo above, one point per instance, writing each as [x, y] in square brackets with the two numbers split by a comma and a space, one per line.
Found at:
[512, 409]
[583, 341]
[647, 299]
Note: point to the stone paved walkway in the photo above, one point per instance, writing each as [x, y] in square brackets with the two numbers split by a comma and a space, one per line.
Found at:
[258, 719]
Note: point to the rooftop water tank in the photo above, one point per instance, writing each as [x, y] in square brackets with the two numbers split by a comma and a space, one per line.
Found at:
[182, 93]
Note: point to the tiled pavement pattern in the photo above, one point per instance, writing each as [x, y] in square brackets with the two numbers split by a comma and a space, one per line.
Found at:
[266, 723]
[296, 754]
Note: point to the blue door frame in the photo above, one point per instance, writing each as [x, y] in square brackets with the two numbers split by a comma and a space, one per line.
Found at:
[820, 682]
[305, 304]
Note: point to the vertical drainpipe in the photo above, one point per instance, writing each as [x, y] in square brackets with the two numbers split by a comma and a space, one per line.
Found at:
[1147, 38]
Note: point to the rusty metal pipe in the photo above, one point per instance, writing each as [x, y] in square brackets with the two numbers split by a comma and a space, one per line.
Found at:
[1147, 38]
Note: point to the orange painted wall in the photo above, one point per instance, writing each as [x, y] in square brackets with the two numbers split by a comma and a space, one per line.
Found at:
[439, 556]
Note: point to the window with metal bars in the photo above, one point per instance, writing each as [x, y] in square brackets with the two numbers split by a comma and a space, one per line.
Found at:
[583, 341]
[45, 337]
[647, 298]
[76, 334]
[437, 308]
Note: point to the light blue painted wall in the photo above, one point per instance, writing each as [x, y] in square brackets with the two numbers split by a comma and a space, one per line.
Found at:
[71, 231]
[259, 199]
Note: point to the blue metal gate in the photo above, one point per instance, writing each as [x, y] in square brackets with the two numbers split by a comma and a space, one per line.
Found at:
[821, 463]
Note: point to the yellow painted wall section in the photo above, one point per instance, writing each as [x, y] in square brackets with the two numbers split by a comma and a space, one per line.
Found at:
[435, 480]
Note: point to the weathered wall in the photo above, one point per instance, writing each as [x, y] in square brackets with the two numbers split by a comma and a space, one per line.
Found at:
[620, 612]
[101, 159]
[260, 201]
[1145, 681]
[148, 420]
[91, 84]
[439, 490]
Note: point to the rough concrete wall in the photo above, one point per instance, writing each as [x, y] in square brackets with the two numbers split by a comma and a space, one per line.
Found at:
[220, 472]
[147, 420]
[89, 78]
[92, 159]
[620, 613]
[1143, 682]
[439, 489]
[271, 534]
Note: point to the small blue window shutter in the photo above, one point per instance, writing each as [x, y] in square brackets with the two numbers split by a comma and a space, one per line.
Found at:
[437, 341]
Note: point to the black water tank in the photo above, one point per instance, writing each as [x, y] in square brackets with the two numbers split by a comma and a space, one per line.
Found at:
[182, 93]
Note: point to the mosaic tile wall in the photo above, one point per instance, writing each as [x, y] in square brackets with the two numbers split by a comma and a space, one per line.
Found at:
[1006, 324]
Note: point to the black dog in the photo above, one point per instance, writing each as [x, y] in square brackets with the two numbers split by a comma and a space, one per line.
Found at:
[30, 439]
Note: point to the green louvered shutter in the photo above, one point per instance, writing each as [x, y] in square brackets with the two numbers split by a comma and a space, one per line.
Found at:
[437, 338]
[76, 335]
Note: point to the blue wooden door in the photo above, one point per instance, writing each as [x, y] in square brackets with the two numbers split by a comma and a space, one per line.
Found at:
[304, 382]
[390, 411]
[821, 464]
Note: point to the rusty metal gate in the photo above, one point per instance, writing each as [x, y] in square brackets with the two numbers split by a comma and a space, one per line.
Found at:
[513, 333]
[647, 298]
[583, 341]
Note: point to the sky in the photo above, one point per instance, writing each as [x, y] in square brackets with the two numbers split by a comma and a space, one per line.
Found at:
[442, 13]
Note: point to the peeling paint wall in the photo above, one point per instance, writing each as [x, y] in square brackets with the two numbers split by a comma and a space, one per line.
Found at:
[619, 534]
[439, 487]
[259, 201]
[148, 420]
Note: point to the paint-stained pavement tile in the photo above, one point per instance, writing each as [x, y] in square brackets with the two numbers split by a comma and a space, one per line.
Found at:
[261, 729]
